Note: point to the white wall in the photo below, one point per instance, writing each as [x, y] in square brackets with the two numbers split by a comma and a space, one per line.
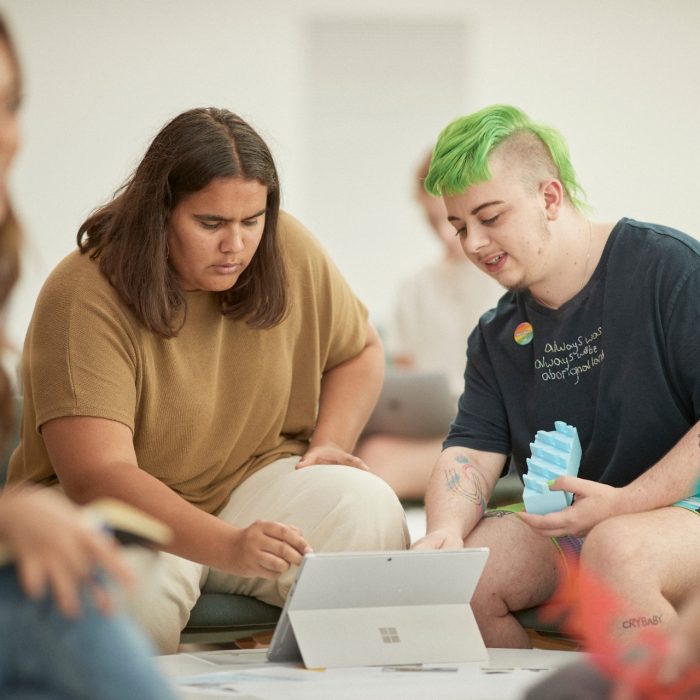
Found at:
[618, 77]
[375, 97]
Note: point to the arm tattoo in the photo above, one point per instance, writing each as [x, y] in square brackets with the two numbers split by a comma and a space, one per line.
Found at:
[465, 480]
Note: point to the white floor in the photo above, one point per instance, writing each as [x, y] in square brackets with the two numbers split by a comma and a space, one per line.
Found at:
[246, 675]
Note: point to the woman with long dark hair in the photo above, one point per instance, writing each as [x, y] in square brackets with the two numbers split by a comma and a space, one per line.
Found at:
[201, 358]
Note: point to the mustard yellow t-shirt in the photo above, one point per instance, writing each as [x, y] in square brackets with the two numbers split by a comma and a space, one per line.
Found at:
[206, 408]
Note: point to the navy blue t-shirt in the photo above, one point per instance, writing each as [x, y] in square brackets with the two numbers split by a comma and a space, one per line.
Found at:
[620, 361]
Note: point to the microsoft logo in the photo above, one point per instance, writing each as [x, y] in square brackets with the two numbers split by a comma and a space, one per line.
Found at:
[390, 635]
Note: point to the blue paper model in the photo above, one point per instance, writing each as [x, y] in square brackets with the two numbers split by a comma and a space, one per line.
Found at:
[554, 453]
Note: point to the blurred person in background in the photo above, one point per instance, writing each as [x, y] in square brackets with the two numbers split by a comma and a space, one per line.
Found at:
[436, 308]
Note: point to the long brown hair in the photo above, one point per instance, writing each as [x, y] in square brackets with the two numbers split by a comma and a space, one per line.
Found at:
[129, 235]
[10, 238]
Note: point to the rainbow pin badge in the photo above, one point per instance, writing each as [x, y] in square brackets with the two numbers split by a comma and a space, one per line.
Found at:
[523, 333]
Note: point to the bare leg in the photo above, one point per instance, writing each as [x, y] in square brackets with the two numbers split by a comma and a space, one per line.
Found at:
[522, 571]
[650, 560]
[404, 463]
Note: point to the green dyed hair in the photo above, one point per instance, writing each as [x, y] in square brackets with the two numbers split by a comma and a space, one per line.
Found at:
[463, 149]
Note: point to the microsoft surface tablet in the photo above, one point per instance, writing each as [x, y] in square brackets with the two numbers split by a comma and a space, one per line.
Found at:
[382, 608]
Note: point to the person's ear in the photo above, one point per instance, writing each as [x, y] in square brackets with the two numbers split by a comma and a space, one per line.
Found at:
[552, 196]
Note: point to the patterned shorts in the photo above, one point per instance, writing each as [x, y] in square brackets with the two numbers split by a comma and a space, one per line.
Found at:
[692, 503]
[568, 545]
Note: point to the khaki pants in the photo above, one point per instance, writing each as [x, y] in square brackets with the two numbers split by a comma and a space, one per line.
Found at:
[337, 508]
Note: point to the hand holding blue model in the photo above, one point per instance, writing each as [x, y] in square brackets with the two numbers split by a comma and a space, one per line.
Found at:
[555, 453]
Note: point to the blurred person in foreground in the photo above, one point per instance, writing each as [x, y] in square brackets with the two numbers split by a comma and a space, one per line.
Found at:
[61, 633]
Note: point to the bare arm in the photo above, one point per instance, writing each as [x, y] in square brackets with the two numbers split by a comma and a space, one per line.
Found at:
[671, 479]
[348, 395]
[458, 491]
[95, 457]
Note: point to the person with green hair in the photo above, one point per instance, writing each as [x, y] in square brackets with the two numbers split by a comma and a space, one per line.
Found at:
[597, 328]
